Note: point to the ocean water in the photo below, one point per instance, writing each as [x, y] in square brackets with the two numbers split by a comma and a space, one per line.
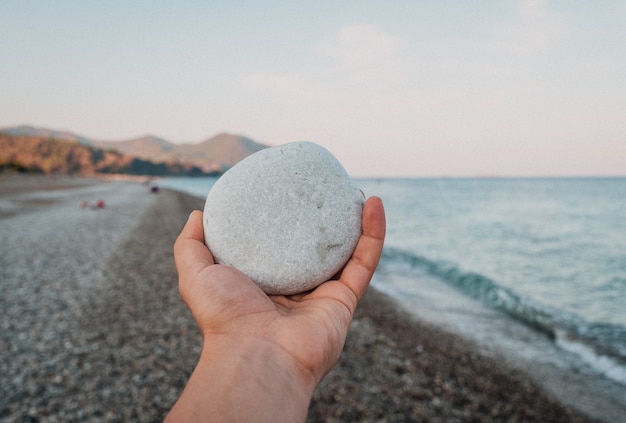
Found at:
[547, 253]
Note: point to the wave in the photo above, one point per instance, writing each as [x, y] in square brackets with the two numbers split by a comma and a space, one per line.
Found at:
[601, 345]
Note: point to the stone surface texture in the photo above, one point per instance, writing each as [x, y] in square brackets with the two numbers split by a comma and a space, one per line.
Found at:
[289, 217]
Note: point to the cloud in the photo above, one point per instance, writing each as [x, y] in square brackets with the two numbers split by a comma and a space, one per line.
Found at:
[535, 31]
[355, 55]
[279, 83]
[291, 87]
[359, 45]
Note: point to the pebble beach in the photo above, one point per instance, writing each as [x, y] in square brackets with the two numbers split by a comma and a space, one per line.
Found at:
[93, 328]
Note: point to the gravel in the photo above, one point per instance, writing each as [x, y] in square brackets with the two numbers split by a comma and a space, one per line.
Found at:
[93, 328]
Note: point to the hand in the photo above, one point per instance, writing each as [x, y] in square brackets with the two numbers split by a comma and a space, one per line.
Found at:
[287, 343]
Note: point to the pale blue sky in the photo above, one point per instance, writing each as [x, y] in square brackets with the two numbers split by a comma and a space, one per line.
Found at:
[393, 88]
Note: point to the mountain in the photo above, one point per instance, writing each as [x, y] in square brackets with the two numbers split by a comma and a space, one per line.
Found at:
[148, 147]
[215, 154]
[221, 152]
[218, 153]
[47, 133]
[42, 154]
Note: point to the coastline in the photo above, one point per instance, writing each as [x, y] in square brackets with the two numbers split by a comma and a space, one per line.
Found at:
[94, 328]
[411, 370]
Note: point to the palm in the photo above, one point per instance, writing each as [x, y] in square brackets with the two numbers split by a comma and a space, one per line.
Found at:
[310, 327]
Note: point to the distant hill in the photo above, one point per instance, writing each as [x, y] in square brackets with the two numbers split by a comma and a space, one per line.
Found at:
[218, 153]
[42, 154]
[46, 133]
[215, 154]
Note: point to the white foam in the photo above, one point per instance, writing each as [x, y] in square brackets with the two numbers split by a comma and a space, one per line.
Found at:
[601, 363]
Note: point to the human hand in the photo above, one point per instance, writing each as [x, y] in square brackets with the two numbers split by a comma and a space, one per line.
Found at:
[294, 340]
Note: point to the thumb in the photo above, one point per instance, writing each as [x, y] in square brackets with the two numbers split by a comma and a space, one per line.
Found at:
[190, 253]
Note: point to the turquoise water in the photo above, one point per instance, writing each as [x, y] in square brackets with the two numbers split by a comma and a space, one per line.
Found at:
[551, 253]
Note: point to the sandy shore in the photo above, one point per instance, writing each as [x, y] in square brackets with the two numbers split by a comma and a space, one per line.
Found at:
[93, 328]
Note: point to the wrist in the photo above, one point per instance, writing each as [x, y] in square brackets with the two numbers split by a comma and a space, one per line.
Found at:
[261, 356]
[252, 379]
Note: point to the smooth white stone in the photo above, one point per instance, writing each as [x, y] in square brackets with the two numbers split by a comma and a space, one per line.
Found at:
[288, 217]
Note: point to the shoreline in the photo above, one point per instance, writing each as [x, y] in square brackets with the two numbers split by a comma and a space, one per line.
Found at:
[504, 339]
[397, 367]
[117, 313]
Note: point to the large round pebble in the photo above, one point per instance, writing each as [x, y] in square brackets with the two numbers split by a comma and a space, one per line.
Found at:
[288, 217]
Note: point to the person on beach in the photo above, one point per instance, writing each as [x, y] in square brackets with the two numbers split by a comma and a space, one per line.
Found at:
[263, 356]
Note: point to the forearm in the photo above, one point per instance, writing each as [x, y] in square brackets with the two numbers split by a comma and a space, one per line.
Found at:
[244, 381]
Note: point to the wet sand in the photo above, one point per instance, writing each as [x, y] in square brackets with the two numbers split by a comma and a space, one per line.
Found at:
[93, 328]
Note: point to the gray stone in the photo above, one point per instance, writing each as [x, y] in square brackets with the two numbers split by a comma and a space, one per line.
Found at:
[288, 217]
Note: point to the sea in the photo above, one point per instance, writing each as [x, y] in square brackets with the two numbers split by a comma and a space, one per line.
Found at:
[534, 267]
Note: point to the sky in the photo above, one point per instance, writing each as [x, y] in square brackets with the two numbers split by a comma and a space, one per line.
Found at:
[392, 88]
